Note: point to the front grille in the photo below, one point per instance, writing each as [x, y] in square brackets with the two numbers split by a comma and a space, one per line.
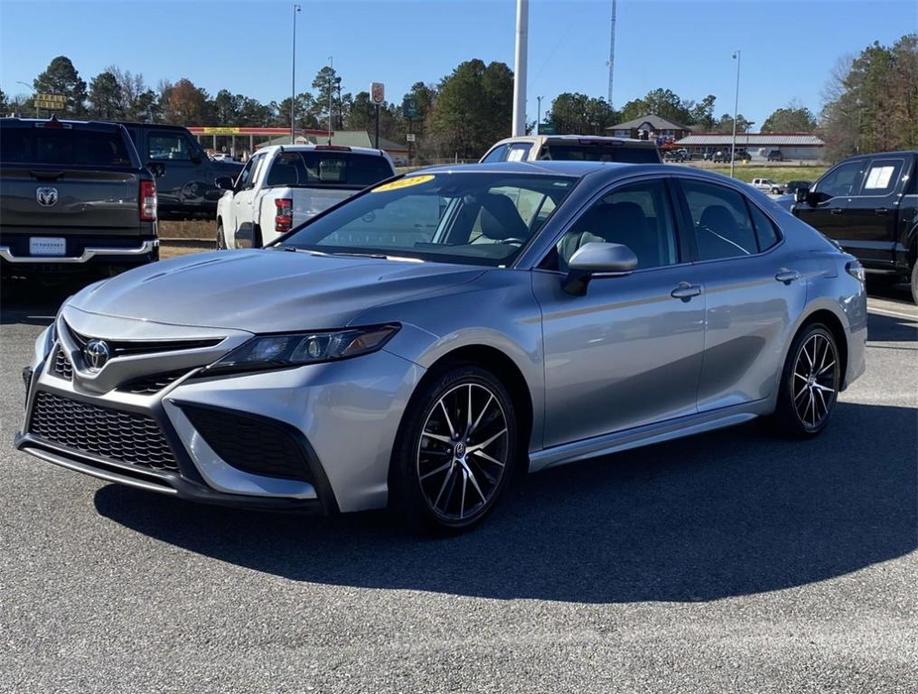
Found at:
[121, 348]
[61, 366]
[125, 437]
[256, 445]
[148, 385]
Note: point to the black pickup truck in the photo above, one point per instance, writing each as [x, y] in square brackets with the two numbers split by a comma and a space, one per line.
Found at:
[73, 194]
[186, 184]
[869, 205]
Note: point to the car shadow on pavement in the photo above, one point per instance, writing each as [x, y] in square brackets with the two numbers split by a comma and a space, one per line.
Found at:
[33, 303]
[730, 513]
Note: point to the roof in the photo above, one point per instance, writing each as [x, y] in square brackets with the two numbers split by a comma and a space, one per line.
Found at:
[312, 147]
[653, 120]
[361, 138]
[574, 138]
[753, 140]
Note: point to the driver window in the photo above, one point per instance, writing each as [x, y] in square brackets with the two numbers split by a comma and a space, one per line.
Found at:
[843, 180]
[637, 216]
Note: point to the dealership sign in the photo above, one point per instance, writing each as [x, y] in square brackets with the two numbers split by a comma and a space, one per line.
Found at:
[377, 93]
[51, 102]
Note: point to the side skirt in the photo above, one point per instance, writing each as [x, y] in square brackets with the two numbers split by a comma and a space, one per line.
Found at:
[648, 434]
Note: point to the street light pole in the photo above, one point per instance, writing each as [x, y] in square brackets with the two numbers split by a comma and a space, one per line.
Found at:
[29, 86]
[519, 68]
[331, 89]
[737, 57]
[296, 9]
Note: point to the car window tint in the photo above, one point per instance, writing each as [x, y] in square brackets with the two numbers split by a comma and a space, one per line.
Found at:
[723, 228]
[245, 176]
[600, 152]
[842, 180]
[637, 216]
[765, 231]
[882, 177]
[168, 146]
[62, 146]
[496, 154]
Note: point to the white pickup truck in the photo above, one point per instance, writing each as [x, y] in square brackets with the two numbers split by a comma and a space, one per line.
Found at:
[284, 185]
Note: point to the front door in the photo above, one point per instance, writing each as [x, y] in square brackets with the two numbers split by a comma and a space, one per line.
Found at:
[181, 188]
[628, 352]
[831, 197]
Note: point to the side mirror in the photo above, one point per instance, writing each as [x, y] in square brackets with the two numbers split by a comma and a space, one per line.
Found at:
[245, 236]
[224, 182]
[157, 168]
[597, 260]
[801, 194]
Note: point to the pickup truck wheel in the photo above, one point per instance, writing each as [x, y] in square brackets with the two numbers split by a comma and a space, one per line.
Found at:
[221, 239]
[914, 281]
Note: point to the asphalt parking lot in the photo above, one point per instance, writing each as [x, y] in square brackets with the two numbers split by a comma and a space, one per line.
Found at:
[726, 562]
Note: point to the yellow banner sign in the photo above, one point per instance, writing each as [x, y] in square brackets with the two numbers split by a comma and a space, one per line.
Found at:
[221, 131]
[52, 102]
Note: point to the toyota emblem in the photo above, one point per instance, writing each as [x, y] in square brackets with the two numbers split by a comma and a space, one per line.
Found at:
[96, 353]
[46, 197]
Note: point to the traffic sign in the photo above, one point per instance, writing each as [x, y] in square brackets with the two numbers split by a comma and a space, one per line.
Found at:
[51, 102]
[546, 129]
[377, 93]
[411, 137]
[409, 108]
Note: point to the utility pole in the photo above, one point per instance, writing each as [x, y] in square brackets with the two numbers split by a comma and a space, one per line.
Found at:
[296, 9]
[519, 68]
[612, 53]
[736, 56]
[331, 90]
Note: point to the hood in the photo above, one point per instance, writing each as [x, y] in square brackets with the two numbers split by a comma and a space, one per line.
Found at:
[265, 290]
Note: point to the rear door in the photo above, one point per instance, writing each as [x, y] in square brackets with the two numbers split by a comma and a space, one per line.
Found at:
[871, 220]
[754, 288]
[183, 188]
[66, 181]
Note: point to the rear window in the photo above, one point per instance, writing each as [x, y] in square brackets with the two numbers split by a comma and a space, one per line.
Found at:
[66, 146]
[332, 169]
[618, 153]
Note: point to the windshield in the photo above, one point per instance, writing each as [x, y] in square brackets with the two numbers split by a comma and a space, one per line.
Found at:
[480, 218]
[69, 146]
[318, 168]
[601, 152]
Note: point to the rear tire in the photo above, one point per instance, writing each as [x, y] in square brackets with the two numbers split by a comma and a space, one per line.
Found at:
[456, 451]
[914, 282]
[810, 383]
[221, 238]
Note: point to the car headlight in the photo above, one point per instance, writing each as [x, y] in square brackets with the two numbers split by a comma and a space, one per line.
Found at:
[297, 349]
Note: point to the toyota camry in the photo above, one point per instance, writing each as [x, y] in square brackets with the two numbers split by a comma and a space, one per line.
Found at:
[420, 343]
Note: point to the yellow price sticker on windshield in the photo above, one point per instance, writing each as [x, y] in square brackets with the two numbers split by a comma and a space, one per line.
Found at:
[403, 183]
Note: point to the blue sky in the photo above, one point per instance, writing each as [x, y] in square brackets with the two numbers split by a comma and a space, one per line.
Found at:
[788, 48]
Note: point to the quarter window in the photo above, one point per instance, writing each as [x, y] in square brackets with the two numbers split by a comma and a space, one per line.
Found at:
[723, 228]
[637, 216]
[497, 154]
[765, 231]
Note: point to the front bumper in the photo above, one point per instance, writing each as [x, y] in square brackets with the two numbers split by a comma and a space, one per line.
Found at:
[343, 417]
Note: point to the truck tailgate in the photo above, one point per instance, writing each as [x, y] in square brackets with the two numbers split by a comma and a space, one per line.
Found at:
[43, 200]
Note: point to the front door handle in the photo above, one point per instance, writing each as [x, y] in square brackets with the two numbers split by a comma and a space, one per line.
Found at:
[836, 210]
[787, 276]
[685, 291]
[881, 210]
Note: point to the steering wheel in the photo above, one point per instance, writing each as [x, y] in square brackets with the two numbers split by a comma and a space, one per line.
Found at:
[513, 239]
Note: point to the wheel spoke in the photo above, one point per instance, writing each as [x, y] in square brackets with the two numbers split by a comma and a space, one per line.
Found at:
[484, 444]
[826, 368]
[438, 437]
[813, 406]
[465, 479]
[439, 469]
[471, 477]
[446, 480]
[487, 457]
[481, 414]
[449, 423]
[823, 389]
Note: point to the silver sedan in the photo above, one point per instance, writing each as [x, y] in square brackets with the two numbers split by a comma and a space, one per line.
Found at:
[418, 344]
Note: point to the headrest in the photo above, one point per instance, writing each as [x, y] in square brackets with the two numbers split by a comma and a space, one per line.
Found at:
[500, 218]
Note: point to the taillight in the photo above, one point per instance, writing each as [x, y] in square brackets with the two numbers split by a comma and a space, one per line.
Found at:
[147, 201]
[283, 215]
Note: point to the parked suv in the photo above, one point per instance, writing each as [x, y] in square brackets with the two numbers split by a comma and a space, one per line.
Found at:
[573, 147]
[869, 205]
[73, 193]
[775, 155]
[186, 186]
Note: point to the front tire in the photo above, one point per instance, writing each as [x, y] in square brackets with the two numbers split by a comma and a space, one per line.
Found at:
[221, 238]
[809, 383]
[456, 450]
[914, 282]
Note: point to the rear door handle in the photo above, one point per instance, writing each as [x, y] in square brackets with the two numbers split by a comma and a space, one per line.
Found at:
[787, 276]
[685, 291]
[836, 210]
[881, 210]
